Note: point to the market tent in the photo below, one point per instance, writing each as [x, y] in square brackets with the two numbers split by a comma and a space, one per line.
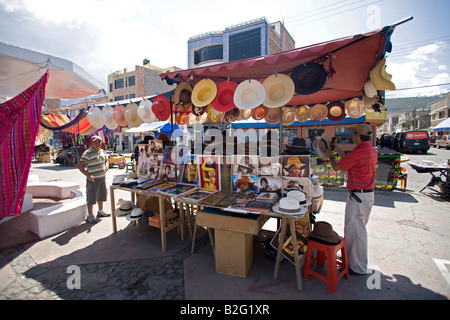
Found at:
[351, 58]
[443, 126]
[162, 126]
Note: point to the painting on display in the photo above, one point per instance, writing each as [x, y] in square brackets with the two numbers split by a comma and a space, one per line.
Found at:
[174, 155]
[244, 183]
[269, 166]
[296, 166]
[156, 146]
[209, 172]
[190, 170]
[301, 184]
[171, 172]
[245, 165]
[270, 184]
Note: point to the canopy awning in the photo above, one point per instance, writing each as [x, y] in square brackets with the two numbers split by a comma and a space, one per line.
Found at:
[443, 126]
[147, 127]
[351, 57]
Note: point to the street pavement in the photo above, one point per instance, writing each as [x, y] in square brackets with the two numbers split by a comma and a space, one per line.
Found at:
[409, 256]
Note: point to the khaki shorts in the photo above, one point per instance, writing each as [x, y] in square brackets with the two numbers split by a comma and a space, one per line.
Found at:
[96, 191]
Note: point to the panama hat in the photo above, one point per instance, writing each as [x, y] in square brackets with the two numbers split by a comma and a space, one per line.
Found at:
[249, 94]
[244, 114]
[135, 214]
[321, 145]
[323, 232]
[213, 115]
[204, 92]
[145, 111]
[110, 123]
[288, 116]
[299, 196]
[118, 115]
[125, 208]
[336, 111]
[279, 90]
[309, 78]
[223, 101]
[369, 89]
[289, 206]
[96, 118]
[380, 78]
[182, 95]
[303, 113]
[259, 113]
[318, 112]
[273, 115]
[161, 107]
[132, 116]
[355, 108]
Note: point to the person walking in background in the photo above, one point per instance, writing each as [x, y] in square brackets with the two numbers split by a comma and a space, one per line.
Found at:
[94, 164]
[360, 165]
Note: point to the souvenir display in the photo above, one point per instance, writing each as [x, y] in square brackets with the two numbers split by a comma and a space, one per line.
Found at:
[176, 189]
[296, 166]
[244, 183]
[270, 184]
[190, 171]
[209, 172]
[195, 194]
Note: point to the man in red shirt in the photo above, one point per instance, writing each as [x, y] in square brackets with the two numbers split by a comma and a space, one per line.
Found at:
[360, 165]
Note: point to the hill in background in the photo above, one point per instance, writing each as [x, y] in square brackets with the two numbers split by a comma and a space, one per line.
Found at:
[401, 105]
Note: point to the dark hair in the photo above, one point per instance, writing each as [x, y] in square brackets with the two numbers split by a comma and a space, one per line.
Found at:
[364, 138]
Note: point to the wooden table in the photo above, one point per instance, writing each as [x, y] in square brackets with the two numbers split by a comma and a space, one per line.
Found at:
[164, 229]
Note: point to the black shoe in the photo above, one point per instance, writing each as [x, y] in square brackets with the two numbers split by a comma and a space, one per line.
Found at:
[354, 273]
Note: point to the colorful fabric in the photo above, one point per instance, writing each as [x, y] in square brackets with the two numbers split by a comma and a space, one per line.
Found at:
[95, 162]
[19, 126]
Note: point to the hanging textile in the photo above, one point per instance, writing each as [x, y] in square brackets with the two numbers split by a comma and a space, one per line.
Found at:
[19, 125]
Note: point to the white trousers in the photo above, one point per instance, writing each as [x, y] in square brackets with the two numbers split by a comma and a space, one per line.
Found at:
[355, 233]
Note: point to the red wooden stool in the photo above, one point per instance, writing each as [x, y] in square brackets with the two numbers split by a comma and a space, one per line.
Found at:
[327, 253]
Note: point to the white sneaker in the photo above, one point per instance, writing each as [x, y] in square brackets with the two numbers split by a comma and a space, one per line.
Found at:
[102, 213]
[91, 219]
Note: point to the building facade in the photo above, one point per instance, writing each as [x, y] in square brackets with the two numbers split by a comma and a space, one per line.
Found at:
[440, 111]
[252, 38]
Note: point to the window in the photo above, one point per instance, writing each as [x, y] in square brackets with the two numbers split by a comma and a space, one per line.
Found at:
[131, 96]
[118, 98]
[245, 44]
[131, 81]
[214, 52]
[118, 83]
[110, 87]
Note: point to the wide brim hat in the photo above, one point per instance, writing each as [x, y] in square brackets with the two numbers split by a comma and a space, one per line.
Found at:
[182, 96]
[289, 207]
[231, 115]
[182, 118]
[370, 102]
[132, 116]
[213, 115]
[279, 90]
[204, 93]
[135, 214]
[289, 116]
[298, 146]
[336, 111]
[198, 111]
[259, 113]
[322, 144]
[145, 111]
[355, 108]
[369, 89]
[244, 114]
[125, 208]
[118, 115]
[323, 231]
[161, 107]
[224, 100]
[191, 119]
[318, 112]
[309, 78]
[380, 78]
[249, 94]
[299, 196]
[303, 113]
[273, 116]
[244, 179]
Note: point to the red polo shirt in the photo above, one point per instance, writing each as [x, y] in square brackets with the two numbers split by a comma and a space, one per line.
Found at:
[360, 165]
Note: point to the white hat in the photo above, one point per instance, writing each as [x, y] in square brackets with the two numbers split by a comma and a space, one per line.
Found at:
[249, 94]
[279, 90]
[289, 207]
[298, 196]
[125, 208]
[145, 111]
[135, 214]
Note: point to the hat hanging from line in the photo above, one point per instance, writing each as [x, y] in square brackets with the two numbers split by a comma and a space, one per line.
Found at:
[96, 117]
[182, 118]
[303, 113]
[214, 116]
[259, 113]
[273, 115]
[244, 114]
[224, 101]
[371, 104]
[289, 206]
[380, 78]
[111, 124]
[145, 111]
[161, 107]
[336, 111]
[279, 90]
[182, 95]
[249, 94]
[309, 78]
[132, 116]
[318, 112]
[369, 89]
[289, 115]
[321, 145]
[135, 214]
[355, 108]
[232, 115]
[118, 115]
[323, 232]
[204, 93]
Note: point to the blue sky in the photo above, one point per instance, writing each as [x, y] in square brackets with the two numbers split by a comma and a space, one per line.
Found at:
[103, 36]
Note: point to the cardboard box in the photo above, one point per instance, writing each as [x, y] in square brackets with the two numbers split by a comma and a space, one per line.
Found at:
[234, 252]
[217, 219]
[155, 221]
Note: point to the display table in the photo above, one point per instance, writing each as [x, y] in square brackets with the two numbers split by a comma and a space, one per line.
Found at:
[164, 229]
[432, 168]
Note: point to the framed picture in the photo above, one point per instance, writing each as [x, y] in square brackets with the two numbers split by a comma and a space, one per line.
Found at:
[296, 166]
[269, 166]
[301, 184]
[190, 170]
[171, 172]
[270, 184]
[209, 172]
[196, 194]
[244, 183]
[245, 165]
[154, 171]
[156, 146]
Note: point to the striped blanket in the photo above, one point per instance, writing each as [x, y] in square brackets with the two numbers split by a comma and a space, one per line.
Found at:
[19, 126]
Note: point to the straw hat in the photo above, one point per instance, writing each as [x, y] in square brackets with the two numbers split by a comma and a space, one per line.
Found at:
[132, 116]
[323, 232]
[318, 112]
[371, 104]
[204, 93]
[303, 113]
[213, 115]
[279, 90]
[244, 114]
[309, 78]
[96, 117]
[145, 111]
[182, 118]
[161, 107]
[336, 111]
[321, 145]
[125, 208]
[249, 94]
[369, 89]
[182, 95]
[223, 101]
[289, 116]
[289, 206]
[273, 115]
[118, 115]
[191, 119]
[355, 108]
[294, 161]
[110, 123]
[380, 78]
[259, 112]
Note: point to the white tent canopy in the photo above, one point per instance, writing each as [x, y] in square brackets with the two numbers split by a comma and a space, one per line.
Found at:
[147, 127]
[443, 126]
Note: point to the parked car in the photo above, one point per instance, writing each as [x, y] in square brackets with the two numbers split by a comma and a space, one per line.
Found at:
[433, 141]
[414, 141]
[444, 142]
